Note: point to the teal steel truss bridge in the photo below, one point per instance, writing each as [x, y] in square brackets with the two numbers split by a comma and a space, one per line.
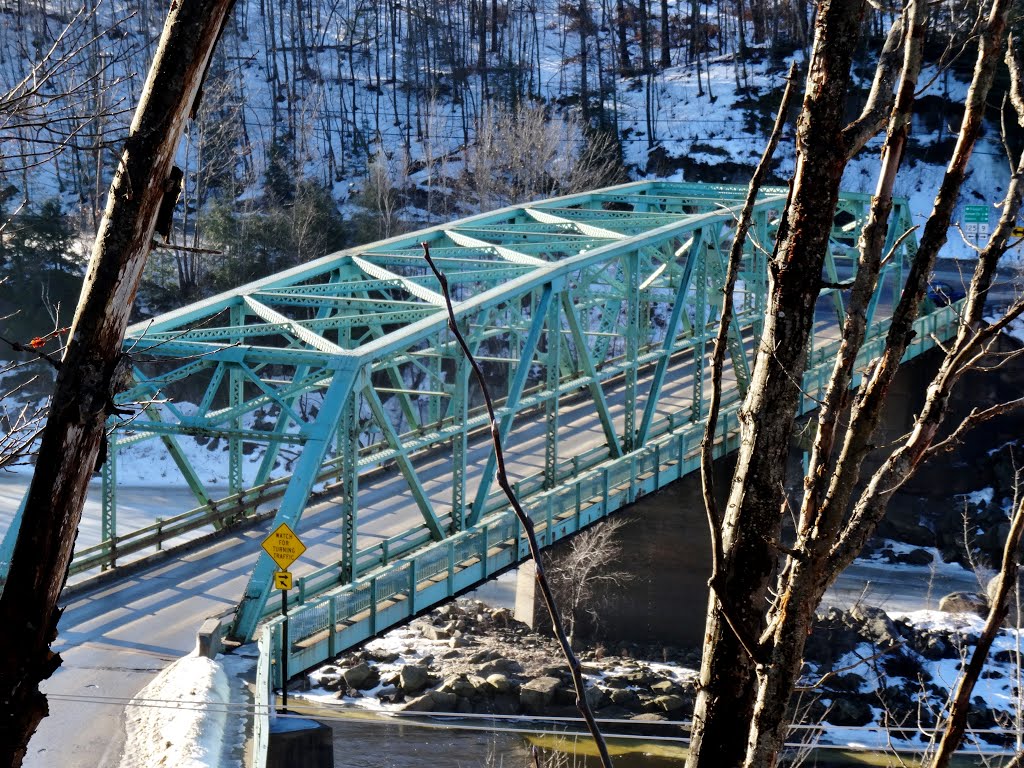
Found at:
[593, 316]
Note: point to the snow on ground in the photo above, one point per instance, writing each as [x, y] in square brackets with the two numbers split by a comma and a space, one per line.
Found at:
[936, 569]
[194, 714]
[1016, 329]
[181, 718]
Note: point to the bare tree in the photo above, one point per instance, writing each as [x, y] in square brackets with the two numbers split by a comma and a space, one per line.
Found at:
[53, 99]
[93, 370]
[526, 153]
[583, 572]
[386, 177]
[757, 630]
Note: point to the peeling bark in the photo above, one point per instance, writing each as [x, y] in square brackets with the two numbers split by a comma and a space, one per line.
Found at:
[89, 375]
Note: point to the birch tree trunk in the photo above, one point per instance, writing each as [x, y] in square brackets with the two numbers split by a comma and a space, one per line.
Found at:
[94, 369]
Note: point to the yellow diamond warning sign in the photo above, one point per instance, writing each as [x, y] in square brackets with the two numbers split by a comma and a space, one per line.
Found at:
[283, 546]
[282, 579]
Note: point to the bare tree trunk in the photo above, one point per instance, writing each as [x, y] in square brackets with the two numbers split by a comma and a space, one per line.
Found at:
[827, 540]
[752, 521]
[620, 28]
[666, 51]
[94, 369]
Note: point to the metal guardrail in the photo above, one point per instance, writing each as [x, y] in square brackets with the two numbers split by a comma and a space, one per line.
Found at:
[408, 577]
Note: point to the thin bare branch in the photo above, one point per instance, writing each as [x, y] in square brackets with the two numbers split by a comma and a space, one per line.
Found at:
[718, 366]
[575, 668]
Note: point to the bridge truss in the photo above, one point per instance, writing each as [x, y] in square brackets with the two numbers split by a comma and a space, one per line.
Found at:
[344, 369]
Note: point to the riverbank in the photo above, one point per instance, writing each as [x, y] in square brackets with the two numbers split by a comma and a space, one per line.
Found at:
[873, 680]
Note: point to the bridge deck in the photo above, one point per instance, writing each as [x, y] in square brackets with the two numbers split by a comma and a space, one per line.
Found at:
[593, 315]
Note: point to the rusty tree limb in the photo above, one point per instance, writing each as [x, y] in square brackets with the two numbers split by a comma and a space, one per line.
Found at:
[575, 669]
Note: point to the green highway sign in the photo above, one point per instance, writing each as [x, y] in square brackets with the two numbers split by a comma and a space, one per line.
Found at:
[976, 214]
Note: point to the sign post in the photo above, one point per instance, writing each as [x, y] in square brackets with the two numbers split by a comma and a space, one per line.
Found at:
[284, 548]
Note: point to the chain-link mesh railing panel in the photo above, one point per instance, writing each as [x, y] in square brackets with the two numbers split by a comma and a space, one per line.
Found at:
[394, 583]
[468, 546]
[310, 620]
[432, 563]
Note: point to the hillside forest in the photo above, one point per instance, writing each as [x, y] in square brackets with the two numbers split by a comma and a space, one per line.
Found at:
[328, 123]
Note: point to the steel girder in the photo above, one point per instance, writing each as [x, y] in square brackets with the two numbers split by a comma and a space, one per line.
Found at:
[348, 365]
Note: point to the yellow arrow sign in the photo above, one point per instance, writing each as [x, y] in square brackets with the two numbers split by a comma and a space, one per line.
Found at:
[283, 546]
[1018, 231]
[282, 579]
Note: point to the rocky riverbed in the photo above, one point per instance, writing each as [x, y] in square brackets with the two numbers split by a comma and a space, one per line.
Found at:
[864, 668]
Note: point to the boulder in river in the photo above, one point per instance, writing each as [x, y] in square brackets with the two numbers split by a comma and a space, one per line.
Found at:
[362, 677]
[535, 695]
[413, 678]
[964, 602]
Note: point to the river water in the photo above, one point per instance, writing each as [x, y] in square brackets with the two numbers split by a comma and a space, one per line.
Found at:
[388, 743]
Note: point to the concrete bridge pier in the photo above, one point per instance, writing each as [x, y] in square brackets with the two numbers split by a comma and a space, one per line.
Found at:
[665, 544]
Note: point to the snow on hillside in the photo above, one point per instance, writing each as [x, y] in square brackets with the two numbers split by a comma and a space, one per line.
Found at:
[336, 107]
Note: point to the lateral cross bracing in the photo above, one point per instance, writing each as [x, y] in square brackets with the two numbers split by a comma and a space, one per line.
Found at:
[593, 316]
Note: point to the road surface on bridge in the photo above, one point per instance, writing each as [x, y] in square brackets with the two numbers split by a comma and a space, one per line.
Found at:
[116, 638]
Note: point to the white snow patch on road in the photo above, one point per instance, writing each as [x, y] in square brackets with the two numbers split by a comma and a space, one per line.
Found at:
[179, 719]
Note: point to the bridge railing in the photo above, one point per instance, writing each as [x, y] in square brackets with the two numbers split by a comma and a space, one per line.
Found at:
[395, 590]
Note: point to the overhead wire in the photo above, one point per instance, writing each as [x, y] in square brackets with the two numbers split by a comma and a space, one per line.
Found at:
[382, 718]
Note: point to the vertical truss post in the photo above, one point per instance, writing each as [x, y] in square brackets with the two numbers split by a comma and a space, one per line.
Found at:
[700, 332]
[553, 357]
[296, 495]
[833, 276]
[678, 312]
[178, 456]
[760, 270]
[9, 540]
[404, 465]
[459, 412]
[434, 401]
[236, 395]
[587, 364]
[345, 340]
[348, 447]
[632, 269]
[512, 401]
[108, 504]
